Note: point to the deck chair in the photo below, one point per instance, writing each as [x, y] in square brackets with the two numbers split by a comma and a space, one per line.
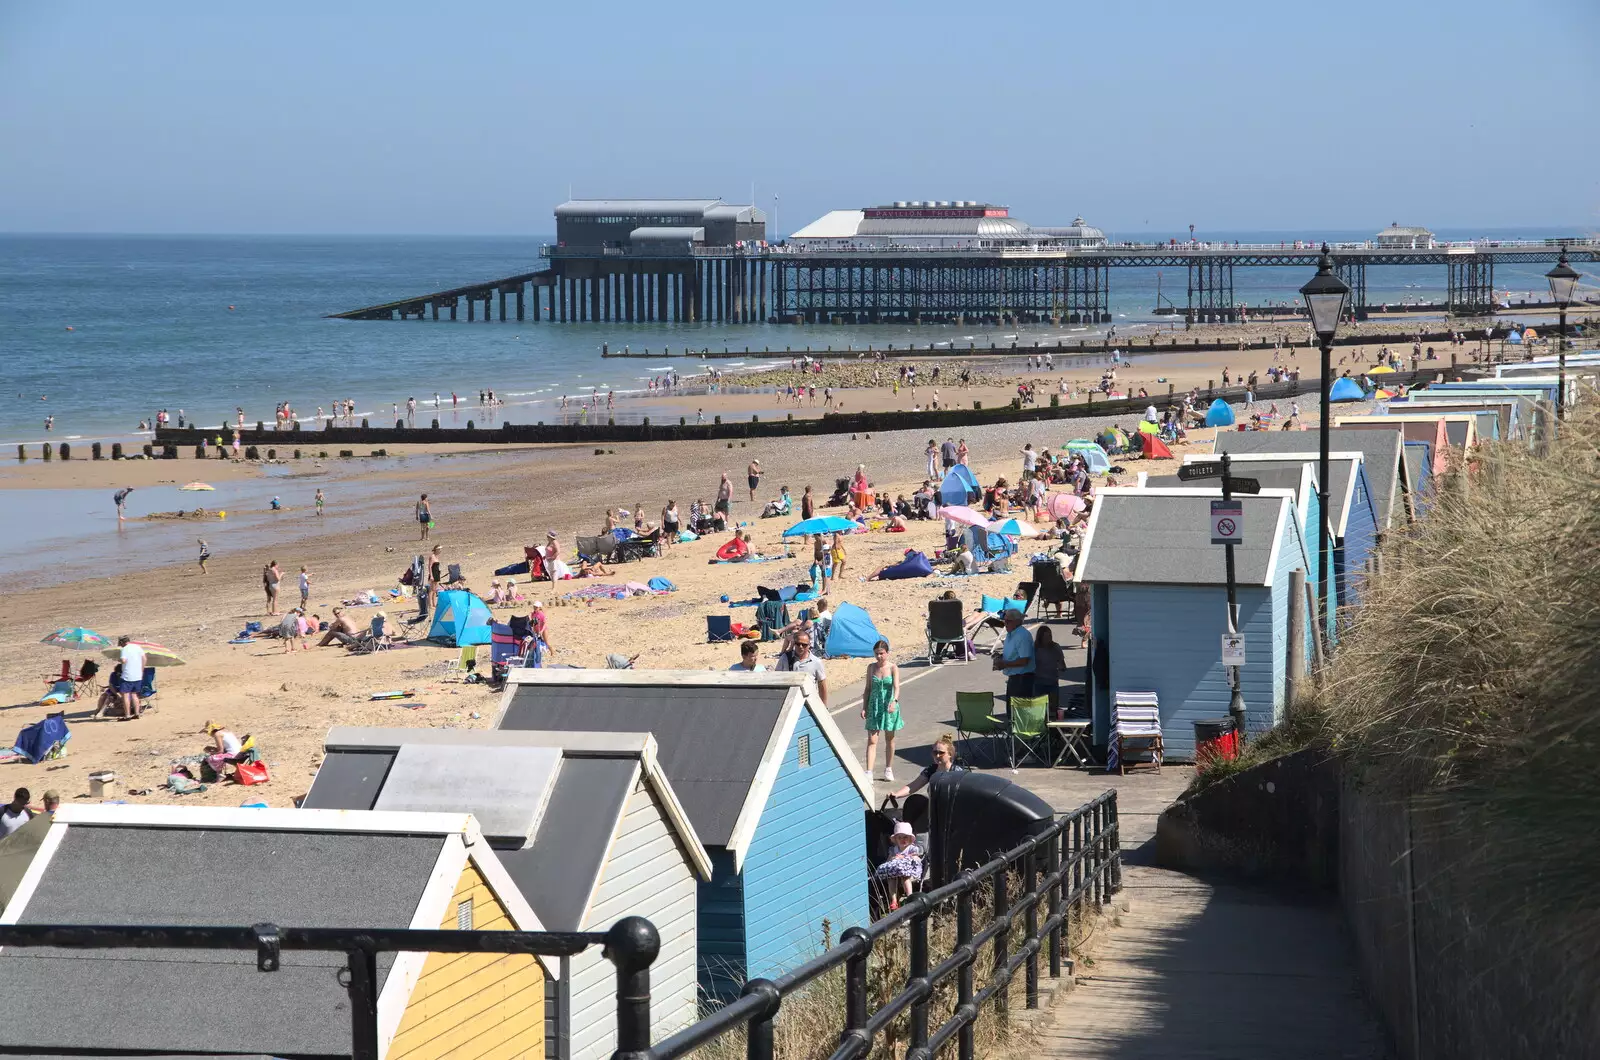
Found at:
[771, 616]
[947, 628]
[976, 726]
[1053, 588]
[989, 630]
[639, 546]
[602, 547]
[453, 575]
[1028, 729]
[718, 628]
[467, 661]
[1135, 729]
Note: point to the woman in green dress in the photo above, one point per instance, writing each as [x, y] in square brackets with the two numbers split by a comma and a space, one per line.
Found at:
[881, 707]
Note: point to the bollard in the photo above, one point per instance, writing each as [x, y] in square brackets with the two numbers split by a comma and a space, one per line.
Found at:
[22, 454]
[149, 451]
[272, 454]
[49, 451]
[116, 450]
[252, 453]
[632, 945]
[66, 451]
[199, 452]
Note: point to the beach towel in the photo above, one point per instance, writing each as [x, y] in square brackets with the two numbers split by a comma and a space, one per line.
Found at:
[514, 568]
[43, 739]
[662, 585]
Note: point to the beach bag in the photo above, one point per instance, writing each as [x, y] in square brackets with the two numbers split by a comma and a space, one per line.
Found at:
[251, 773]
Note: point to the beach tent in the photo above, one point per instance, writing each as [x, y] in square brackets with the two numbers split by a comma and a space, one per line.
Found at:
[1093, 456]
[851, 633]
[460, 618]
[1346, 390]
[959, 486]
[915, 565]
[1514, 337]
[1146, 427]
[1154, 447]
[1220, 414]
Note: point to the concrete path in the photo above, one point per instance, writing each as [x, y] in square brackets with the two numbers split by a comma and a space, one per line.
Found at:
[1195, 969]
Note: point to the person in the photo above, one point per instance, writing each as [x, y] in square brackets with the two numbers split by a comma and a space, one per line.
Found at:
[290, 630]
[821, 564]
[435, 576]
[15, 814]
[724, 504]
[52, 802]
[305, 587]
[270, 577]
[947, 456]
[932, 453]
[424, 516]
[904, 865]
[753, 477]
[132, 675]
[590, 569]
[1016, 658]
[880, 706]
[801, 661]
[808, 504]
[319, 500]
[1048, 662]
[837, 554]
[379, 628]
[944, 761]
[961, 452]
[1030, 461]
[540, 623]
[747, 659]
[966, 562]
[737, 550]
[205, 553]
[670, 524]
[120, 498]
[342, 630]
[223, 746]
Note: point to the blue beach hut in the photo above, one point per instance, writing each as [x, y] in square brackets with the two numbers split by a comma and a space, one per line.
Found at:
[768, 783]
[1159, 606]
[1220, 414]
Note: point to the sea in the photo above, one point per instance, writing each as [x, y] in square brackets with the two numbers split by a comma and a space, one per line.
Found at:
[101, 332]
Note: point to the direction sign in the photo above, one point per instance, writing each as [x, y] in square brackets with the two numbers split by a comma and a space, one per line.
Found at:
[1227, 522]
[1245, 485]
[1233, 649]
[1207, 469]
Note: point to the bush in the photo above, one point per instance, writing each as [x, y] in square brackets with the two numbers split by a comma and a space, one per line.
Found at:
[363, 423]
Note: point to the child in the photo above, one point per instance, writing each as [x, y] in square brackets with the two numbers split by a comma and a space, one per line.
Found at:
[305, 588]
[205, 554]
[905, 864]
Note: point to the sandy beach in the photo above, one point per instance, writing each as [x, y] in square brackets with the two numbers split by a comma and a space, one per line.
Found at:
[488, 504]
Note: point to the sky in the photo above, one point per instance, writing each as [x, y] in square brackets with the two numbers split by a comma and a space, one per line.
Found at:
[398, 117]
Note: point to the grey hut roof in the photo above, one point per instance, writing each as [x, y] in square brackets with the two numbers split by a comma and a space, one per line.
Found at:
[169, 1001]
[627, 207]
[1341, 466]
[1380, 451]
[1150, 536]
[1276, 477]
[548, 801]
[720, 735]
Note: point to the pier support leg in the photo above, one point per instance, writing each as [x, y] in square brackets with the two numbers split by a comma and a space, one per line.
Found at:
[436, 310]
[533, 291]
[502, 307]
[472, 308]
[520, 316]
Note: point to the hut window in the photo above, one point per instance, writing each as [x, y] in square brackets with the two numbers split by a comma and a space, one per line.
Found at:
[464, 915]
[805, 749]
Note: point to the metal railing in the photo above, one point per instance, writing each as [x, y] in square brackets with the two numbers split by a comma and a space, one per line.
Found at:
[1071, 868]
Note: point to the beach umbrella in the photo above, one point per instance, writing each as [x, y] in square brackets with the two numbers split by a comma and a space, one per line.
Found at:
[1529, 334]
[196, 487]
[1381, 394]
[821, 524]
[960, 513]
[1064, 505]
[77, 637]
[1382, 369]
[154, 654]
[1013, 527]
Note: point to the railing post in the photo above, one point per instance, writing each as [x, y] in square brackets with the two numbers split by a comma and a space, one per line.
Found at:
[1094, 854]
[855, 991]
[758, 1033]
[1002, 941]
[1052, 866]
[1031, 920]
[363, 989]
[918, 978]
[1116, 845]
[632, 945]
[1077, 864]
[964, 1037]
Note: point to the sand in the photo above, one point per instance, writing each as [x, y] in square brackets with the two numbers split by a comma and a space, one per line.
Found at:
[487, 508]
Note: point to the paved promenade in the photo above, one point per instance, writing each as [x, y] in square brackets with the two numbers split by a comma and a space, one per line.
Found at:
[1196, 969]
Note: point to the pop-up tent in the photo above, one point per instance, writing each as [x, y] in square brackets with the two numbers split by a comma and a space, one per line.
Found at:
[915, 565]
[1154, 447]
[1094, 457]
[1220, 414]
[851, 633]
[460, 618]
[1346, 389]
[959, 486]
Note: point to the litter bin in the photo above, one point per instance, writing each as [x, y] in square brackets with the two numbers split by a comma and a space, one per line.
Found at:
[1215, 739]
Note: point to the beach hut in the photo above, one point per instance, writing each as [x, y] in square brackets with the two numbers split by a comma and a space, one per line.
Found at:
[165, 865]
[1428, 434]
[1220, 414]
[1159, 606]
[460, 618]
[1418, 460]
[1387, 477]
[1094, 456]
[767, 780]
[1512, 414]
[1352, 516]
[1460, 431]
[586, 825]
[959, 487]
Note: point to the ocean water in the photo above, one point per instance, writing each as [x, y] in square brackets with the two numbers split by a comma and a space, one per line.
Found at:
[102, 331]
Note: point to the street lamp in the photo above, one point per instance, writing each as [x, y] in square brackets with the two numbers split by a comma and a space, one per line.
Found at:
[1325, 296]
[1563, 281]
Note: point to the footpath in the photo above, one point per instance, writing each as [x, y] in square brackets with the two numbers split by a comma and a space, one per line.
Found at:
[1191, 968]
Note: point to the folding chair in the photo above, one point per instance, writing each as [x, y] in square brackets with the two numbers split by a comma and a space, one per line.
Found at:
[1135, 728]
[639, 547]
[947, 627]
[467, 661]
[453, 575]
[975, 721]
[718, 628]
[1028, 728]
[1053, 588]
[601, 547]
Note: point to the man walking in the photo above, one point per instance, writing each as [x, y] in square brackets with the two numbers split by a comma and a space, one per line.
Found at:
[803, 662]
[753, 477]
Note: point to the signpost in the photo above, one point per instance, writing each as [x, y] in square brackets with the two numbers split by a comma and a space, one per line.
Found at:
[1227, 529]
[1233, 649]
[1227, 523]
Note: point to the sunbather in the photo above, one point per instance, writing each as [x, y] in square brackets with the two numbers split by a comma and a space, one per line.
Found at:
[592, 569]
[342, 630]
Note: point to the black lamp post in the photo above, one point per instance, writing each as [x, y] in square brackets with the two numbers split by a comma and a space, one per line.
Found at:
[1563, 281]
[1325, 297]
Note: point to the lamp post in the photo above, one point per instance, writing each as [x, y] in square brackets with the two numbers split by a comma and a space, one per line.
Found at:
[1563, 281]
[1325, 296]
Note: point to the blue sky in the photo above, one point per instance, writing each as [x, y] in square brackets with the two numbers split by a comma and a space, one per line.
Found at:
[401, 117]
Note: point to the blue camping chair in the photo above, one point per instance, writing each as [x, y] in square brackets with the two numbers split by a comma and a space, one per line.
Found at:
[718, 628]
[43, 739]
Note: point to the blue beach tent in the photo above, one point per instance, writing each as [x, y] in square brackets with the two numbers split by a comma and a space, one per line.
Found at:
[959, 486]
[1094, 455]
[1345, 389]
[1220, 414]
[460, 619]
[851, 634]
